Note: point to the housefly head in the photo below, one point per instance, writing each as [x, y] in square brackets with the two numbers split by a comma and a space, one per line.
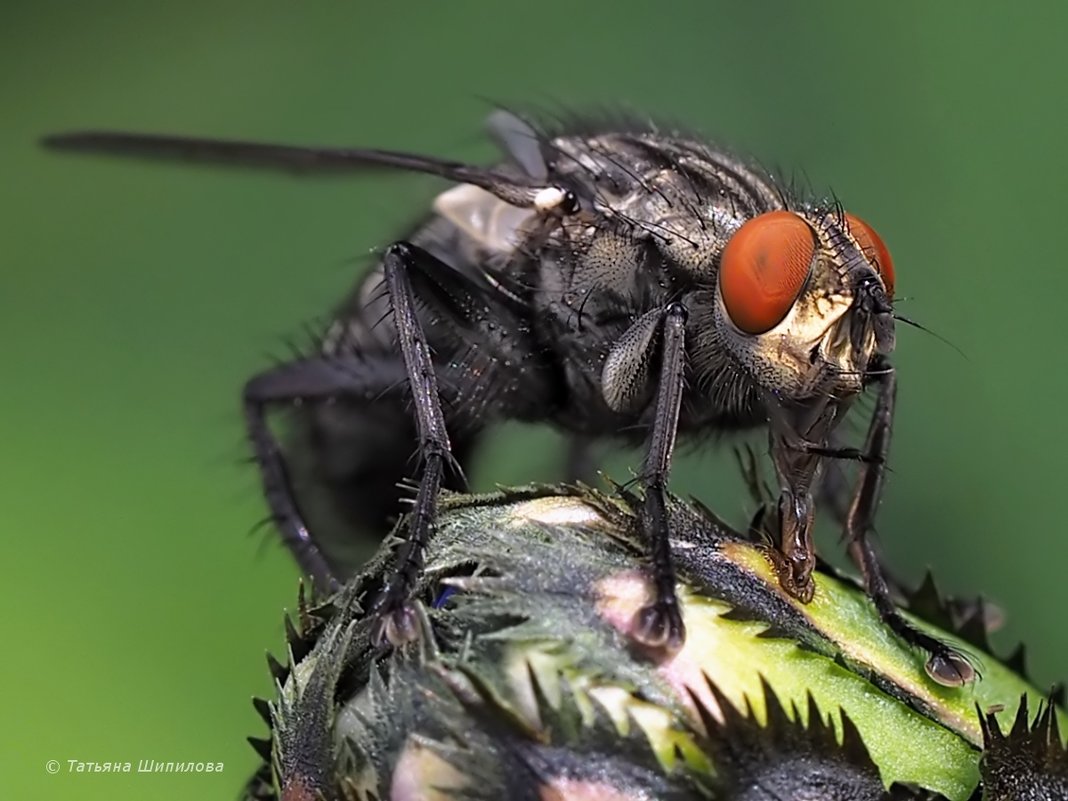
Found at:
[803, 302]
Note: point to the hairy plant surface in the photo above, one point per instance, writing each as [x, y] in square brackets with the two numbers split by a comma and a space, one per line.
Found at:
[528, 684]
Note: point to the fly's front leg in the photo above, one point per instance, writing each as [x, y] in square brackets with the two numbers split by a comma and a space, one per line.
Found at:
[945, 665]
[660, 623]
[793, 554]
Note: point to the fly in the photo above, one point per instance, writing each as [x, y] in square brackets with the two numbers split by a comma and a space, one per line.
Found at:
[617, 284]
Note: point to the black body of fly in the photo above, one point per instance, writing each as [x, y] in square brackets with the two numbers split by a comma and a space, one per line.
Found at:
[629, 284]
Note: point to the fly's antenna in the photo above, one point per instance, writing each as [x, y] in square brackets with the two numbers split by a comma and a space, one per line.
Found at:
[936, 335]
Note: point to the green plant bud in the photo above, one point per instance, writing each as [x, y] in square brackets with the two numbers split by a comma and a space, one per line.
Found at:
[527, 684]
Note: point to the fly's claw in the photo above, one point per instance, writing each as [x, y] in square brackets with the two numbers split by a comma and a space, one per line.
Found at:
[794, 577]
[659, 627]
[395, 621]
[949, 668]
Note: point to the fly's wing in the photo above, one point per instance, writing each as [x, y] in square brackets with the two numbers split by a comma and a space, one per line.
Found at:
[517, 188]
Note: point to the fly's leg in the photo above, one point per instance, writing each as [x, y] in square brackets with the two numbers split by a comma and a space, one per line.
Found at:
[791, 548]
[396, 619]
[407, 273]
[945, 665]
[310, 379]
[660, 623]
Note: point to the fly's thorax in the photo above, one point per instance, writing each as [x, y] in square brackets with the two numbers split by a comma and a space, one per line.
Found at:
[681, 196]
[802, 302]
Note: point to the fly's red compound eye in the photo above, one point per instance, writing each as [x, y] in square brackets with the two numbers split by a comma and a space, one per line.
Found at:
[874, 248]
[763, 268]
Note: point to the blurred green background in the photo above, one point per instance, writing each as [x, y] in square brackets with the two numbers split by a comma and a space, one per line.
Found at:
[136, 298]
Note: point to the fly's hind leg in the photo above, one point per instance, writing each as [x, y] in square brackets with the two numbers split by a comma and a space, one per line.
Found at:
[357, 377]
[491, 370]
[945, 665]
[472, 314]
[396, 619]
[363, 378]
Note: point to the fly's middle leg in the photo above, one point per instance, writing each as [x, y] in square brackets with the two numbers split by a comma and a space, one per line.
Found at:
[660, 624]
